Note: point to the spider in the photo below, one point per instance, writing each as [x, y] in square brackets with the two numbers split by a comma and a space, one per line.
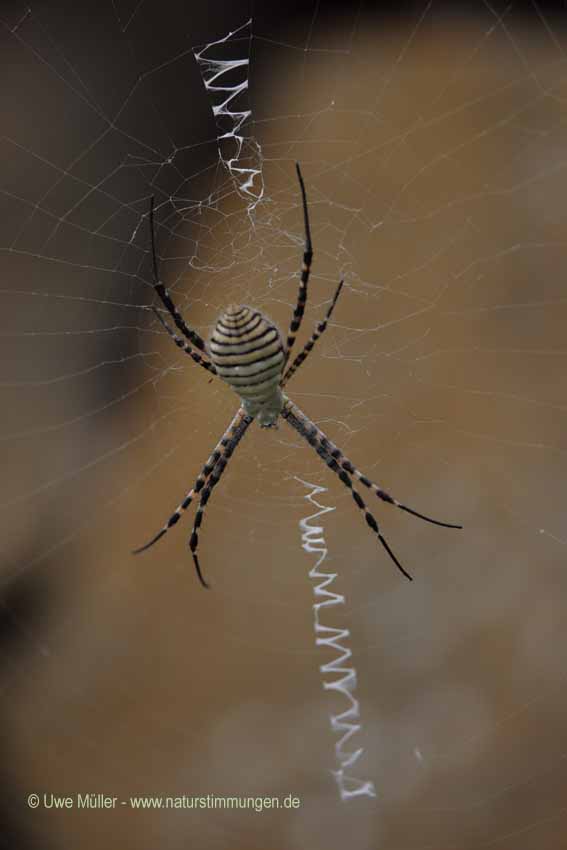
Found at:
[247, 351]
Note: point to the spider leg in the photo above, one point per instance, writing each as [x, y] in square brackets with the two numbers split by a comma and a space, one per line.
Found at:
[310, 432]
[305, 269]
[229, 446]
[184, 346]
[345, 464]
[191, 335]
[319, 329]
[199, 483]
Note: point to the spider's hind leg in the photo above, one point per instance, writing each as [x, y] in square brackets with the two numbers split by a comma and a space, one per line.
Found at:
[199, 483]
[310, 432]
[347, 466]
[342, 467]
[229, 446]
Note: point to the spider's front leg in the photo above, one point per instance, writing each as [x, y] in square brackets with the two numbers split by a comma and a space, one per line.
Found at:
[305, 270]
[320, 329]
[160, 289]
[184, 346]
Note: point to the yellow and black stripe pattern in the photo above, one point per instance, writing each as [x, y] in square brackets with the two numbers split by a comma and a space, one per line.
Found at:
[247, 352]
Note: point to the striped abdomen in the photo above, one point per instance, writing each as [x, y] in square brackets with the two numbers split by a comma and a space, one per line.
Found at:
[247, 351]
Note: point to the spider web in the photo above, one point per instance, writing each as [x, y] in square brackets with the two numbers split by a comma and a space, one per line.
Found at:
[432, 142]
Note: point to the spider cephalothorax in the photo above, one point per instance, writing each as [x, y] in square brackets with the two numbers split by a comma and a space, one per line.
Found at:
[247, 351]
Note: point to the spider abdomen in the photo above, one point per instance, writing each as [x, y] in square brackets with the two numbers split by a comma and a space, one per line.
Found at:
[247, 352]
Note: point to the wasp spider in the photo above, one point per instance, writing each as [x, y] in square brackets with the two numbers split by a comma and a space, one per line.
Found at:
[248, 352]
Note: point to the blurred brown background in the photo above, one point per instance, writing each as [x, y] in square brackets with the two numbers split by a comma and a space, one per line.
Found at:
[432, 139]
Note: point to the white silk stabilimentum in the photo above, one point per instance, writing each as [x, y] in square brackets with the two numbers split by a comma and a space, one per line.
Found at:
[226, 82]
[347, 723]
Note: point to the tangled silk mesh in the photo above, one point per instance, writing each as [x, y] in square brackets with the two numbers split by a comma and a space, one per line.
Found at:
[432, 146]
